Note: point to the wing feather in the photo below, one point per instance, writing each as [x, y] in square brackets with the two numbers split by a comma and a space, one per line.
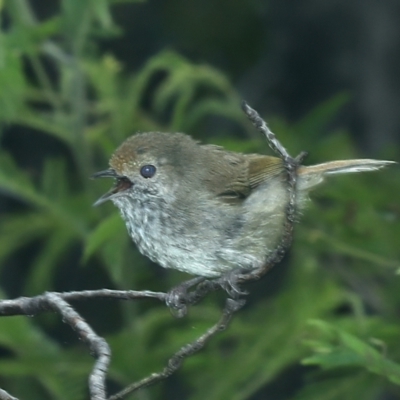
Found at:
[233, 176]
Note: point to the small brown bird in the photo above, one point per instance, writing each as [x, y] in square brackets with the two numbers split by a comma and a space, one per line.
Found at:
[205, 210]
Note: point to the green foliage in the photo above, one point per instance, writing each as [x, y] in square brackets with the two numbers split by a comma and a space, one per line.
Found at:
[58, 374]
[336, 308]
[338, 348]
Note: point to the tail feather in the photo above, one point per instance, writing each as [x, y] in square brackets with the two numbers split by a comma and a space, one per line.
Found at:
[314, 174]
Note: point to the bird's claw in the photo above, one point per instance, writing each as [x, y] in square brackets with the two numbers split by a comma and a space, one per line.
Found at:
[230, 283]
[177, 298]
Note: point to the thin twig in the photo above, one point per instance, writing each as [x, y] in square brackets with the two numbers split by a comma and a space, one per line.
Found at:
[98, 346]
[291, 164]
[186, 351]
[38, 304]
[262, 126]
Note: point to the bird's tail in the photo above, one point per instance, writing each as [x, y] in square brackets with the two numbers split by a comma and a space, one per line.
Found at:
[314, 174]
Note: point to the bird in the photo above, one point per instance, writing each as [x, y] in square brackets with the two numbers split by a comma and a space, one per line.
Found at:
[204, 210]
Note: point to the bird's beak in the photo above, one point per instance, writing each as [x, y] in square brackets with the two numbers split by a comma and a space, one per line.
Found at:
[108, 173]
[104, 198]
[121, 185]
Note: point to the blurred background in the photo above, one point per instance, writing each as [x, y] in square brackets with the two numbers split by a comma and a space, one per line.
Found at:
[77, 77]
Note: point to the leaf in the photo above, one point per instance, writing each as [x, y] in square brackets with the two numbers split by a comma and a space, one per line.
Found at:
[320, 116]
[18, 230]
[48, 124]
[180, 86]
[15, 183]
[102, 12]
[12, 81]
[44, 267]
[338, 348]
[103, 233]
[111, 241]
[36, 355]
[343, 387]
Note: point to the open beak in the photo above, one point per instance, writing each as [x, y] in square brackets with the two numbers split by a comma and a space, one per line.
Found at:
[108, 173]
[122, 184]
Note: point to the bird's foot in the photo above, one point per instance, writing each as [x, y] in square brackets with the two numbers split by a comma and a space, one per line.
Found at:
[177, 298]
[231, 281]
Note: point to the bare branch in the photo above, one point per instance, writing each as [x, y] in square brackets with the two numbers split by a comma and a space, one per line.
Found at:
[177, 359]
[262, 126]
[291, 164]
[98, 346]
[38, 304]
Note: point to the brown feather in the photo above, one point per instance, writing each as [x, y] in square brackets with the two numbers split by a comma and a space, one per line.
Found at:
[263, 168]
[242, 173]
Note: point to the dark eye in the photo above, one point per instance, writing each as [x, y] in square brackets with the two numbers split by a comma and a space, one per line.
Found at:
[148, 171]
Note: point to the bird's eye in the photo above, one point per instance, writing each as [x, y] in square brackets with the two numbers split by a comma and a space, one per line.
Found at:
[148, 171]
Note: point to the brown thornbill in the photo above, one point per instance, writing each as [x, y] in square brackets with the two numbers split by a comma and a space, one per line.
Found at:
[205, 210]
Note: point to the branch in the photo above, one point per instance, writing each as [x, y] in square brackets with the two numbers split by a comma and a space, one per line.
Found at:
[177, 359]
[38, 304]
[54, 301]
[291, 164]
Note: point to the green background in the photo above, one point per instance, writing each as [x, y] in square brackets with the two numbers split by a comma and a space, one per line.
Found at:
[79, 76]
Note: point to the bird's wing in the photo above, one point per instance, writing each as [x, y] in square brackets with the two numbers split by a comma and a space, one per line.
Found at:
[233, 177]
[263, 168]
